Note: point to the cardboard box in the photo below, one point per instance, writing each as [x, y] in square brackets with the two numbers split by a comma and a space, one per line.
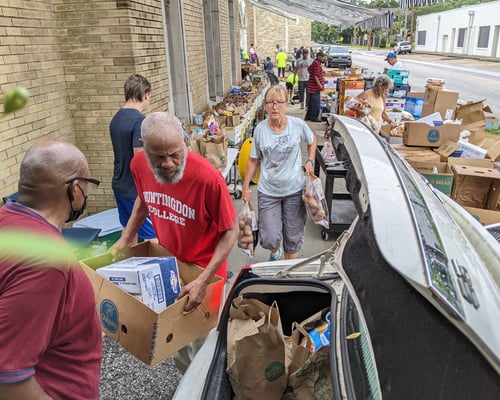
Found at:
[476, 187]
[471, 162]
[486, 217]
[149, 335]
[399, 90]
[491, 143]
[416, 153]
[461, 149]
[395, 103]
[438, 174]
[471, 114]
[154, 279]
[422, 134]
[492, 121]
[414, 103]
[400, 76]
[385, 131]
[442, 101]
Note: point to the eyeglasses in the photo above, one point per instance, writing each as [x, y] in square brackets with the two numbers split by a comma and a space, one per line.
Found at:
[92, 181]
[275, 103]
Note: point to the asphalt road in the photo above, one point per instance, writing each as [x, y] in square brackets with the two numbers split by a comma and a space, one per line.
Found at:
[473, 79]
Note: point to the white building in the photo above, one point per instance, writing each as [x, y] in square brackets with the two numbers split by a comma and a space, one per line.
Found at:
[472, 30]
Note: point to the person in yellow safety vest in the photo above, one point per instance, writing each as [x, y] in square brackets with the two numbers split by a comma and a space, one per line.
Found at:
[244, 55]
[291, 81]
[281, 58]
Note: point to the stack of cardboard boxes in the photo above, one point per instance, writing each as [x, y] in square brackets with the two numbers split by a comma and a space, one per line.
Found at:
[463, 168]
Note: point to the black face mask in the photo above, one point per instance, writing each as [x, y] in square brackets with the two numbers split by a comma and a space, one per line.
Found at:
[75, 214]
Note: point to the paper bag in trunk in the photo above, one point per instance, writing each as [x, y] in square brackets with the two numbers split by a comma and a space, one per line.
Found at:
[255, 350]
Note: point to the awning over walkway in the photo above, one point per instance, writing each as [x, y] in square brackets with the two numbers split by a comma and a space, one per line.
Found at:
[334, 12]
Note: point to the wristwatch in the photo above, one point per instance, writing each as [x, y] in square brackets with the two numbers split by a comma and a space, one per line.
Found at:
[311, 161]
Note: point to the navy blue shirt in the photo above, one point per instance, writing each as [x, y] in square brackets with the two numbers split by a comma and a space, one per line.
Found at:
[125, 131]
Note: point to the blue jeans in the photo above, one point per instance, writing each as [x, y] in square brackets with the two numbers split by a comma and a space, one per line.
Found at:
[313, 106]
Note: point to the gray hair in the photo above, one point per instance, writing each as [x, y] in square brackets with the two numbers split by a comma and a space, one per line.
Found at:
[381, 82]
[160, 125]
[280, 89]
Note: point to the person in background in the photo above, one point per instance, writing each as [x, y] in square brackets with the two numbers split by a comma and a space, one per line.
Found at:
[254, 58]
[281, 58]
[314, 87]
[276, 147]
[373, 100]
[291, 80]
[298, 53]
[50, 334]
[125, 132]
[268, 66]
[294, 58]
[392, 59]
[301, 69]
[244, 56]
[190, 207]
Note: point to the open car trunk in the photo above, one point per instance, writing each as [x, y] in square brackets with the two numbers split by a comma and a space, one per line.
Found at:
[297, 299]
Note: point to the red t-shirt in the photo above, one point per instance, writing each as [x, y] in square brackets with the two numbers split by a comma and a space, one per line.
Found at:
[315, 69]
[189, 216]
[49, 327]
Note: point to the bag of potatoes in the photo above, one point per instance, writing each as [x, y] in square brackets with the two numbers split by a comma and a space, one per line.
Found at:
[315, 201]
[249, 230]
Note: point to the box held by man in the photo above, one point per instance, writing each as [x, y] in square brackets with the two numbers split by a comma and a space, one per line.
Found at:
[149, 335]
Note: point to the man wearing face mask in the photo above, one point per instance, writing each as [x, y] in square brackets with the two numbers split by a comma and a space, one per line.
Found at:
[50, 335]
[189, 204]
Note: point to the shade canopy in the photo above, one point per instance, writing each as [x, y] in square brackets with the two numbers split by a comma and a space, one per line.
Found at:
[333, 12]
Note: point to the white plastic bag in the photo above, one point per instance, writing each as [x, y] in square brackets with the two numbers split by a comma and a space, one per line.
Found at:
[249, 230]
[315, 201]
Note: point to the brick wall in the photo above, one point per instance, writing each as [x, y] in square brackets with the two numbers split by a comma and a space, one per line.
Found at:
[30, 57]
[196, 56]
[74, 57]
[105, 42]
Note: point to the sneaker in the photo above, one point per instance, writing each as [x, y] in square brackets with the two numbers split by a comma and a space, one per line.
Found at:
[275, 256]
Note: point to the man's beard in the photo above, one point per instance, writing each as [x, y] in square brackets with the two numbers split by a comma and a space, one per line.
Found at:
[160, 173]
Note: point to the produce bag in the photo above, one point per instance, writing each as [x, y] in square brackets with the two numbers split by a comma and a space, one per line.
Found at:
[255, 350]
[315, 201]
[309, 372]
[328, 152]
[249, 230]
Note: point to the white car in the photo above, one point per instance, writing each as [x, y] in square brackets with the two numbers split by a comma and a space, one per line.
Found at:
[415, 278]
[402, 47]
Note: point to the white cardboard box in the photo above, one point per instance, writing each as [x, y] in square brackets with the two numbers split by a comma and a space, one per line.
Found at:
[156, 279]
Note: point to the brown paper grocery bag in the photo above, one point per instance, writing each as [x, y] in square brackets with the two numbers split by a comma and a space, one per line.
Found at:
[255, 350]
[313, 380]
[214, 149]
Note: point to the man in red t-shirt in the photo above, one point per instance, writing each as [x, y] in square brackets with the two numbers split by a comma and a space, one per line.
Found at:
[314, 87]
[187, 200]
[50, 335]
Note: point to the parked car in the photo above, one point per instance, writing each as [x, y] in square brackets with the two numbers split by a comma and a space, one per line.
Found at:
[338, 57]
[402, 47]
[412, 287]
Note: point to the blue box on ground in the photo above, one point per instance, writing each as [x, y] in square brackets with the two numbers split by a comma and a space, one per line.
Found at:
[414, 104]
